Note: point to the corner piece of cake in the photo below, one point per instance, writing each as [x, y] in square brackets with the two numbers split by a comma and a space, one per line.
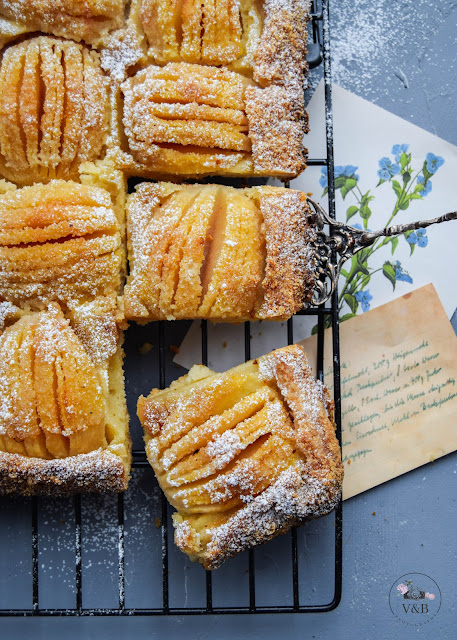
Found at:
[63, 417]
[210, 88]
[244, 455]
[216, 252]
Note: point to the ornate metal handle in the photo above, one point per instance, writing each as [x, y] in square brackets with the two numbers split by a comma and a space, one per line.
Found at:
[346, 241]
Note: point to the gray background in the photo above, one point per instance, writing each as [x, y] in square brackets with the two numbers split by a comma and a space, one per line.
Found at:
[400, 55]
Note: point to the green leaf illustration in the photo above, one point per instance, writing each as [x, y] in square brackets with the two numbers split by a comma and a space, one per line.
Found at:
[404, 159]
[351, 212]
[407, 187]
[365, 212]
[361, 262]
[348, 186]
[397, 188]
[365, 281]
[351, 302]
[366, 198]
[406, 177]
[340, 182]
[389, 272]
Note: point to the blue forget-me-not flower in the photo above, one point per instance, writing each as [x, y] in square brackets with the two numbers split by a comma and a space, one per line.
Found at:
[388, 169]
[418, 237]
[401, 274]
[433, 162]
[364, 297]
[427, 186]
[349, 171]
[398, 149]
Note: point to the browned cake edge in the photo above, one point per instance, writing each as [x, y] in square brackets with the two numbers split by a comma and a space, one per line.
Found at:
[106, 469]
[276, 109]
[277, 124]
[85, 473]
[290, 269]
[280, 57]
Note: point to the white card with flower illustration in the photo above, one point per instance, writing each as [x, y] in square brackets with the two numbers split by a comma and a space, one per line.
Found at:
[387, 171]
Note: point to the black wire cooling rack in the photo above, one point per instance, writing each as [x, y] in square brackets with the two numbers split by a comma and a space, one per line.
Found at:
[207, 590]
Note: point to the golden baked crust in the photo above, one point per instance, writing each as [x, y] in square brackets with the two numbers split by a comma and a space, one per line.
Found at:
[244, 455]
[58, 242]
[217, 252]
[280, 56]
[96, 472]
[277, 124]
[88, 20]
[207, 88]
[54, 109]
[60, 405]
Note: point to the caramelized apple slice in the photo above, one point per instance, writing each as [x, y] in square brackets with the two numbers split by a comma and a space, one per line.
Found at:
[52, 401]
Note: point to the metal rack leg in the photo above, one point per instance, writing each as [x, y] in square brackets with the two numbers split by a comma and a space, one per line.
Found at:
[35, 555]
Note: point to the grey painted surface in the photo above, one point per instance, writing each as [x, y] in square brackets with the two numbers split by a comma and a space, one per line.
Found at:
[402, 56]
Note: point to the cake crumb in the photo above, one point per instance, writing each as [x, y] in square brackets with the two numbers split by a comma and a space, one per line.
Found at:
[145, 348]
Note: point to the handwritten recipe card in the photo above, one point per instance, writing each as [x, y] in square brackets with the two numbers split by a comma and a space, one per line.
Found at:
[398, 388]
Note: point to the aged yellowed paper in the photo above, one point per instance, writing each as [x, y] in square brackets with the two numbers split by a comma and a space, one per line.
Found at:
[398, 387]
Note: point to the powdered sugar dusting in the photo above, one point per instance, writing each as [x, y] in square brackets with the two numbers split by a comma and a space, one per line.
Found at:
[296, 495]
[300, 390]
[380, 42]
[290, 266]
[70, 127]
[232, 287]
[96, 471]
[68, 251]
[88, 21]
[225, 446]
[280, 459]
[7, 310]
[122, 51]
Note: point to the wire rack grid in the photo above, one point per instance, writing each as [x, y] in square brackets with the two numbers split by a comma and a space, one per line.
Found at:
[318, 50]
